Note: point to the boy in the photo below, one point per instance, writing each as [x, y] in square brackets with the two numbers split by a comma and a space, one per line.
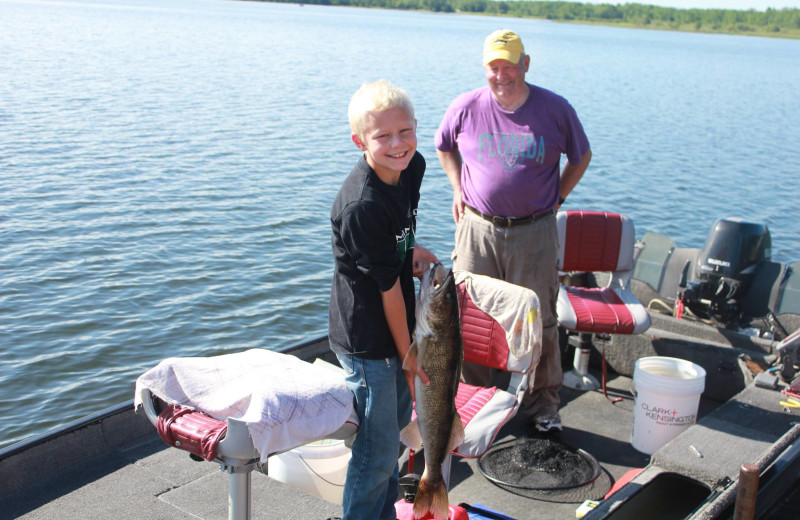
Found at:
[371, 313]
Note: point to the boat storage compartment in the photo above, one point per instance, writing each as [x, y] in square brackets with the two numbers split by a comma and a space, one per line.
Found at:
[666, 497]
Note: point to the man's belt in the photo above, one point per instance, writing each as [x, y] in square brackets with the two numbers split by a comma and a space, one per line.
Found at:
[509, 221]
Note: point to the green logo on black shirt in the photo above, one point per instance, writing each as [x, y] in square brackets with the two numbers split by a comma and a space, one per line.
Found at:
[405, 240]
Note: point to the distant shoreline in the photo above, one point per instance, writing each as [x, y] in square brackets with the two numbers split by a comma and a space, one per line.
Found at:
[789, 34]
[772, 23]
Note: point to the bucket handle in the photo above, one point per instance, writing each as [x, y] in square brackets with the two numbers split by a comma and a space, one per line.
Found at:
[312, 470]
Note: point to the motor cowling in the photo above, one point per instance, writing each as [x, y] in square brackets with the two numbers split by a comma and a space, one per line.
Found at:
[724, 270]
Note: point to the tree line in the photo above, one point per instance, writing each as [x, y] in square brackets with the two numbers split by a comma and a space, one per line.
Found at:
[774, 22]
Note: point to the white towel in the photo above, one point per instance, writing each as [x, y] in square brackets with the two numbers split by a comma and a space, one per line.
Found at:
[286, 402]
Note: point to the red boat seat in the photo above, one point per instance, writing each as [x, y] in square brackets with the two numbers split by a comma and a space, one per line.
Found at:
[597, 241]
[484, 411]
[592, 241]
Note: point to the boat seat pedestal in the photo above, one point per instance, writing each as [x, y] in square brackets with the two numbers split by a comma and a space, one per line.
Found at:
[227, 443]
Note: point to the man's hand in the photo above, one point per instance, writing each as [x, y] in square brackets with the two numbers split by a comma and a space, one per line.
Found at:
[451, 164]
[458, 207]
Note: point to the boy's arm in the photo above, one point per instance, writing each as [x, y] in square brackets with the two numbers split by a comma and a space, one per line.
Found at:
[394, 307]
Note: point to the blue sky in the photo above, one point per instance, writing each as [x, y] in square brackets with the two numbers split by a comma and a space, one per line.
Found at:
[760, 5]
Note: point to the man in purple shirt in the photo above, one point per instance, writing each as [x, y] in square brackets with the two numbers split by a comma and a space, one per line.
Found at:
[501, 148]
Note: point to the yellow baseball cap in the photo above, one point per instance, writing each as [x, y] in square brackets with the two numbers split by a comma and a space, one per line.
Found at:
[502, 45]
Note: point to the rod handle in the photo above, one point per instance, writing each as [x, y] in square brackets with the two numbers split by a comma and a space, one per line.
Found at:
[747, 490]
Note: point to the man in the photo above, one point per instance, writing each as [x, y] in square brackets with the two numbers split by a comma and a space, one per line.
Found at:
[501, 148]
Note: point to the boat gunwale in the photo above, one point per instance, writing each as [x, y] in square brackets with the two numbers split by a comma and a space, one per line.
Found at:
[302, 350]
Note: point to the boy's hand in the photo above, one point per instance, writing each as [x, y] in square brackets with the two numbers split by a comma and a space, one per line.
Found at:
[410, 376]
[411, 369]
[422, 260]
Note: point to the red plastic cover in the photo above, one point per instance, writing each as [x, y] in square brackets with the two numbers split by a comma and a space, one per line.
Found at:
[190, 430]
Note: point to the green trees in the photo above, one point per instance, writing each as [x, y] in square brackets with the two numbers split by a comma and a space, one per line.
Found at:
[772, 22]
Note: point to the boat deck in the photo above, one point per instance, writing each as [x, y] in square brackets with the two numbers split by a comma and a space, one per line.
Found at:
[143, 478]
[114, 466]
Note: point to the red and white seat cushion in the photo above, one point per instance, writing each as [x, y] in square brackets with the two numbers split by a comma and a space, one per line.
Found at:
[592, 241]
[484, 411]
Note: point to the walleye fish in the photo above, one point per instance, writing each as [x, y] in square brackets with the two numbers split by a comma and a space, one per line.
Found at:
[439, 352]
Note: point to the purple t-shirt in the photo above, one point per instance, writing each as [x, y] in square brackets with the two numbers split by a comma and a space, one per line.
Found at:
[511, 160]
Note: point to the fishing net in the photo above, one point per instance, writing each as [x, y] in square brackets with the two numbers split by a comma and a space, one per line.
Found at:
[538, 464]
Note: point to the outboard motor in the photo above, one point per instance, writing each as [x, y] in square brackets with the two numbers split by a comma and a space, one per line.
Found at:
[724, 270]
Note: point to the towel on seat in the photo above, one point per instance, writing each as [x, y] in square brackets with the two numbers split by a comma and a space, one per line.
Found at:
[513, 307]
[286, 402]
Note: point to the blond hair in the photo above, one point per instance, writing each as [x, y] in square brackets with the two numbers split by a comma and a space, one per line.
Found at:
[376, 96]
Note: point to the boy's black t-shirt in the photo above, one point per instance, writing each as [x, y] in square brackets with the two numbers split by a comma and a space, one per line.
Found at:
[374, 229]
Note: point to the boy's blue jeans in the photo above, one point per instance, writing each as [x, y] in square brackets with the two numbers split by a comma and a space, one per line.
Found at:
[383, 405]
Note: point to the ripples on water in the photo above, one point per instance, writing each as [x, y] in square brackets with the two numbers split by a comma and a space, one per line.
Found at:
[167, 168]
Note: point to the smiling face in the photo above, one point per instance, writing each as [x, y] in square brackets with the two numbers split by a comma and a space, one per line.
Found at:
[388, 142]
[507, 81]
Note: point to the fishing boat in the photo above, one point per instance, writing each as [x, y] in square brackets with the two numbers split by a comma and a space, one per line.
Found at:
[725, 307]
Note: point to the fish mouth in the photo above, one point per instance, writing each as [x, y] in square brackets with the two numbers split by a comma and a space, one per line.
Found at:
[436, 282]
[441, 278]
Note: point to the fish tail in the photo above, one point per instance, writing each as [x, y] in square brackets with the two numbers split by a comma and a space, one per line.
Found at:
[432, 496]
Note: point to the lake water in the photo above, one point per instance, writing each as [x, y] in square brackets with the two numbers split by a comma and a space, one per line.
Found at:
[167, 167]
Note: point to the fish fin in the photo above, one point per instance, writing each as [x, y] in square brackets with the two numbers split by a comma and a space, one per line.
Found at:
[456, 433]
[413, 353]
[411, 435]
[431, 497]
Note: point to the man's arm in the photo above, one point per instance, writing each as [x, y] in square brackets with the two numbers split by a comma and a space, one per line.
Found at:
[394, 308]
[451, 164]
[572, 173]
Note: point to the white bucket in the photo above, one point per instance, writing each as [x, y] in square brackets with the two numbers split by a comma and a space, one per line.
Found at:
[667, 392]
[319, 468]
